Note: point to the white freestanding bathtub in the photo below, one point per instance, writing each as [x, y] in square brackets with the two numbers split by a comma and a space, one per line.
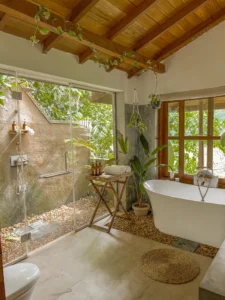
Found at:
[179, 211]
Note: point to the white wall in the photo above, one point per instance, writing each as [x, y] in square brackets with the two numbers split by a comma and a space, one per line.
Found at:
[199, 65]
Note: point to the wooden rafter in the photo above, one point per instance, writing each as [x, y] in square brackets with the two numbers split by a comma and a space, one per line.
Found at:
[191, 35]
[180, 15]
[25, 11]
[49, 43]
[77, 14]
[3, 21]
[85, 56]
[82, 9]
[130, 18]
[134, 72]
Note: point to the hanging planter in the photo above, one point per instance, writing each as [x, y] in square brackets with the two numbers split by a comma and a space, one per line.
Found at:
[136, 119]
[155, 100]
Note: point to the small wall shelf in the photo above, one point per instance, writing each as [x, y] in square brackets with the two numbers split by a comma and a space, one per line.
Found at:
[14, 132]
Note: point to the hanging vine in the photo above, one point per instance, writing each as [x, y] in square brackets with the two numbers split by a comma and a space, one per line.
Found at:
[43, 15]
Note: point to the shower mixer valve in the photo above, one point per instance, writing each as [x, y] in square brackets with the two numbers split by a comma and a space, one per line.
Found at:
[15, 160]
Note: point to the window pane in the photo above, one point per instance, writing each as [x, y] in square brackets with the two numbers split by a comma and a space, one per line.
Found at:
[173, 119]
[219, 116]
[196, 117]
[173, 155]
[218, 159]
[195, 156]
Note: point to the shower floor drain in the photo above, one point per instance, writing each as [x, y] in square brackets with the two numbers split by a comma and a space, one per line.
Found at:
[186, 245]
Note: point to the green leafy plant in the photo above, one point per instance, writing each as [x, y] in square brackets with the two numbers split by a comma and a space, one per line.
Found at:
[155, 101]
[41, 14]
[140, 168]
[137, 122]
[124, 143]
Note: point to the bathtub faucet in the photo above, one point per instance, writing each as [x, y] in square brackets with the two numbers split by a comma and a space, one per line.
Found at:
[203, 177]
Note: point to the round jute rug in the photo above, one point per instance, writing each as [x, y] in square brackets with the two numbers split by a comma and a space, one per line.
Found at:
[169, 266]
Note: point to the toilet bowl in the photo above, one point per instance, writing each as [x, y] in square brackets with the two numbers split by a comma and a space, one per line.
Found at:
[20, 280]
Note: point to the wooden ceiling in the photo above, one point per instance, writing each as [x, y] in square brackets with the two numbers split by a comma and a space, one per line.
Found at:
[152, 29]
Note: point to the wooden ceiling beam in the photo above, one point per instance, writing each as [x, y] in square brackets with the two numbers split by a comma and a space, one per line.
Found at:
[191, 35]
[49, 43]
[77, 14]
[83, 57]
[130, 18]
[25, 11]
[82, 9]
[134, 72]
[3, 21]
[177, 17]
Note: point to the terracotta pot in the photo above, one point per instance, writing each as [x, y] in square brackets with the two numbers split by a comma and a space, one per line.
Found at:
[141, 211]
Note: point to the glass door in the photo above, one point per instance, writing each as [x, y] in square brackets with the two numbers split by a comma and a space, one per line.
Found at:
[13, 218]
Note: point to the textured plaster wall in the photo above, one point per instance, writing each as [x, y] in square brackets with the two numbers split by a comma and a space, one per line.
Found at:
[45, 151]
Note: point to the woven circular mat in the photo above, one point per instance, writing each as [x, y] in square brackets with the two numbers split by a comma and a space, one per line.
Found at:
[169, 266]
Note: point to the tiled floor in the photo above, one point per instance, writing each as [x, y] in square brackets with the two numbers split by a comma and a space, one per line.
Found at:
[95, 265]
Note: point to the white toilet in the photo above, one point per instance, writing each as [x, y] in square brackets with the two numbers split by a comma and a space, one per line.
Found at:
[20, 280]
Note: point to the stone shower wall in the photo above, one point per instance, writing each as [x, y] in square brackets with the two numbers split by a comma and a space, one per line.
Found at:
[45, 151]
[149, 118]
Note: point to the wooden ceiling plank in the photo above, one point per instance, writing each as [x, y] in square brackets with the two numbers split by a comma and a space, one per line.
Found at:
[178, 16]
[130, 18]
[190, 36]
[3, 21]
[82, 9]
[25, 11]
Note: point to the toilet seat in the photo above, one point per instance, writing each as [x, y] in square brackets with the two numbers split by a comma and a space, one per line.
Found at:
[19, 279]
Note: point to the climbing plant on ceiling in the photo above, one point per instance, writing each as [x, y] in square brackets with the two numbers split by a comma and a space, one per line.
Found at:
[45, 23]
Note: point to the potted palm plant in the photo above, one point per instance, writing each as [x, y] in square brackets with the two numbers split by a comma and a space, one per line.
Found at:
[140, 170]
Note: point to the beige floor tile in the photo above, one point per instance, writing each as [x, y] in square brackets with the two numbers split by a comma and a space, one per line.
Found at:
[93, 265]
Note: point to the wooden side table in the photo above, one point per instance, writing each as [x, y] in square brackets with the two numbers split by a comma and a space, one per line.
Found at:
[108, 181]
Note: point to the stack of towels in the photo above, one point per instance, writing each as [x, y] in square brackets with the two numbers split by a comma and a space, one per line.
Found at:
[116, 170]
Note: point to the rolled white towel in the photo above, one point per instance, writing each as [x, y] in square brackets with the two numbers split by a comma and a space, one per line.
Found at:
[116, 170]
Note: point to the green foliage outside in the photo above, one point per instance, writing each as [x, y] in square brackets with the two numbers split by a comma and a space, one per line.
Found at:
[192, 129]
[56, 101]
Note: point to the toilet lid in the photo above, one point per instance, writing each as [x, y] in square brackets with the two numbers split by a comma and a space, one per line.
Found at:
[20, 278]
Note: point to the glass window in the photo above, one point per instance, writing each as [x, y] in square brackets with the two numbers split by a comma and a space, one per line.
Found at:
[219, 116]
[173, 119]
[196, 117]
[173, 155]
[218, 159]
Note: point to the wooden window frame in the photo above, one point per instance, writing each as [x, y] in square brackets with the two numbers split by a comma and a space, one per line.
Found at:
[163, 139]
